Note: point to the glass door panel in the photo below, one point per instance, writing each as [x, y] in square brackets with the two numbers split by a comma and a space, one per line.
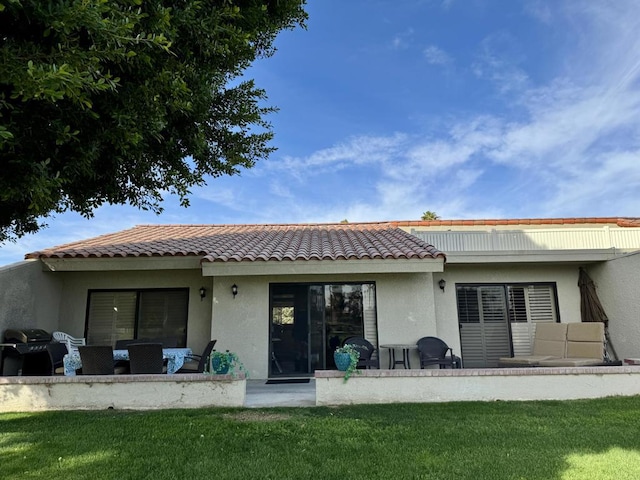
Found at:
[308, 322]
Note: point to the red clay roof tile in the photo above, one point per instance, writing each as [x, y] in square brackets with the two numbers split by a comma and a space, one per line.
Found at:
[226, 243]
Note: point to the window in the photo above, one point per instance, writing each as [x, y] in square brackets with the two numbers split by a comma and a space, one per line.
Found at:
[123, 314]
[499, 320]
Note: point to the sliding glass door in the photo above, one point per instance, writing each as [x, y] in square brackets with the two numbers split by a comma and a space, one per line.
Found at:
[309, 321]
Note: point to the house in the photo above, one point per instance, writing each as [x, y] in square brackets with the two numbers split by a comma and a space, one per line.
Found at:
[283, 296]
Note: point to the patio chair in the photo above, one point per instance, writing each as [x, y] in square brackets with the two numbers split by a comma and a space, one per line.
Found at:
[96, 359]
[56, 351]
[197, 363]
[366, 350]
[434, 351]
[72, 342]
[146, 358]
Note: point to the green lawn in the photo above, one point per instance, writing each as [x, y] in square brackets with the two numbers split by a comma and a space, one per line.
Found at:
[590, 440]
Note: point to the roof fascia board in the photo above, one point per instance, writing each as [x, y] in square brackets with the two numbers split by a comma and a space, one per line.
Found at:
[322, 267]
[120, 264]
[532, 256]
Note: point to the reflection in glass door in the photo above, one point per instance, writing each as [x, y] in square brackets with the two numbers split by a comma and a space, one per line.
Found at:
[309, 321]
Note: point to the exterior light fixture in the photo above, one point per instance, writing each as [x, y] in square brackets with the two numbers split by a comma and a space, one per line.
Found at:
[442, 283]
[234, 290]
[203, 293]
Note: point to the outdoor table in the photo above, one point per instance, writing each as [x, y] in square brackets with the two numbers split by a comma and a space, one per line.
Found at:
[392, 347]
[175, 359]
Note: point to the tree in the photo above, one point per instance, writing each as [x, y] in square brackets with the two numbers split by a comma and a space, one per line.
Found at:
[119, 101]
[429, 215]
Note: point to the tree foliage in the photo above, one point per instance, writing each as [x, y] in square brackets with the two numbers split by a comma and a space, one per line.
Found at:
[429, 215]
[119, 101]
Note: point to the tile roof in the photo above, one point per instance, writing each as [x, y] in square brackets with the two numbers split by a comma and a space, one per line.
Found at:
[229, 243]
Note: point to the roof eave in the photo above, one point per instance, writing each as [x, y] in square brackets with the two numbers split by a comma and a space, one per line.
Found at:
[324, 267]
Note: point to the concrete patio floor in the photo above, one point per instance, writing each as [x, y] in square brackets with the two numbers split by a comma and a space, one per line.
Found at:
[260, 395]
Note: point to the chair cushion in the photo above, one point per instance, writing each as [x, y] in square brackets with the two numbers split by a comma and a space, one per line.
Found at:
[550, 339]
[531, 360]
[586, 332]
[550, 348]
[585, 350]
[570, 362]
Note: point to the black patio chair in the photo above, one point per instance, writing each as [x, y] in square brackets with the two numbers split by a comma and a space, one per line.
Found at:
[57, 351]
[434, 351]
[96, 359]
[197, 363]
[145, 358]
[366, 350]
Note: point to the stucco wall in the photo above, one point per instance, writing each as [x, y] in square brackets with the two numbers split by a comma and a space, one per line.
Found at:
[424, 386]
[29, 297]
[404, 308]
[565, 277]
[77, 284]
[134, 392]
[618, 286]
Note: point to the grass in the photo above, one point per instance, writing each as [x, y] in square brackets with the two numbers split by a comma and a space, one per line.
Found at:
[571, 440]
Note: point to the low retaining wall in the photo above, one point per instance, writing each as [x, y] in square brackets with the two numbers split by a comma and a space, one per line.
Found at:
[134, 392]
[431, 385]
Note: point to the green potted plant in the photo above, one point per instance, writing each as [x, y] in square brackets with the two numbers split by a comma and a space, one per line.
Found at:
[224, 363]
[346, 358]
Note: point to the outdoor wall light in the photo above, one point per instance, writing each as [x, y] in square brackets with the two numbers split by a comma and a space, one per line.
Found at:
[203, 293]
[442, 283]
[234, 290]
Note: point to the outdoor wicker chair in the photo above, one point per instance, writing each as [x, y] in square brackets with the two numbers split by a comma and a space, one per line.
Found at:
[146, 358]
[197, 363]
[366, 350]
[96, 359]
[434, 351]
[57, 351]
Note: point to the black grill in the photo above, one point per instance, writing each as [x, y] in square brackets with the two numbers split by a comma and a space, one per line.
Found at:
[24, 352]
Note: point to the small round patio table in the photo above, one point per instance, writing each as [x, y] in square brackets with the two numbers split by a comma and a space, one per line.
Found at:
[405, 348]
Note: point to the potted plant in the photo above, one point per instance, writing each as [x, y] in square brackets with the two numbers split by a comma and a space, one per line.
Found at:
[346, 358]
[223, 363]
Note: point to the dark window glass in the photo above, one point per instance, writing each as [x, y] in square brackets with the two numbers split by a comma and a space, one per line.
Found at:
[122, 315]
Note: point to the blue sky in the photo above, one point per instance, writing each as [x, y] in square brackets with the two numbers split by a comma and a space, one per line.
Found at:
[469, 108]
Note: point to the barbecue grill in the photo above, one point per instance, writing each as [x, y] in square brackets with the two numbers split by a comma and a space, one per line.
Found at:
[24, 352]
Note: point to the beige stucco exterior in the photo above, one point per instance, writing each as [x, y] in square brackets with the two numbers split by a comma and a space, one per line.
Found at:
[511, 384]
[131, 392]
[28, 297]
[52, 295]
[405, 311]
[618, 286]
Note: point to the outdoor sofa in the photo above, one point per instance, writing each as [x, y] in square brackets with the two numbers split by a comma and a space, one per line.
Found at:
[563, 345]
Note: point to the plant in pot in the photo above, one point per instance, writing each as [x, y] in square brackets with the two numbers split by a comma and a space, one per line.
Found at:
[224, 363]
[346, 358]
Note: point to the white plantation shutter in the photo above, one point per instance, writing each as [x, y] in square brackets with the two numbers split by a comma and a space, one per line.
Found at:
[369, 314]
[484, 334]
[540, 308]
[483, 312]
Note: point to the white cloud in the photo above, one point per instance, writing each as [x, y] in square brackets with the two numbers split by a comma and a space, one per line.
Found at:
[437, 56]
